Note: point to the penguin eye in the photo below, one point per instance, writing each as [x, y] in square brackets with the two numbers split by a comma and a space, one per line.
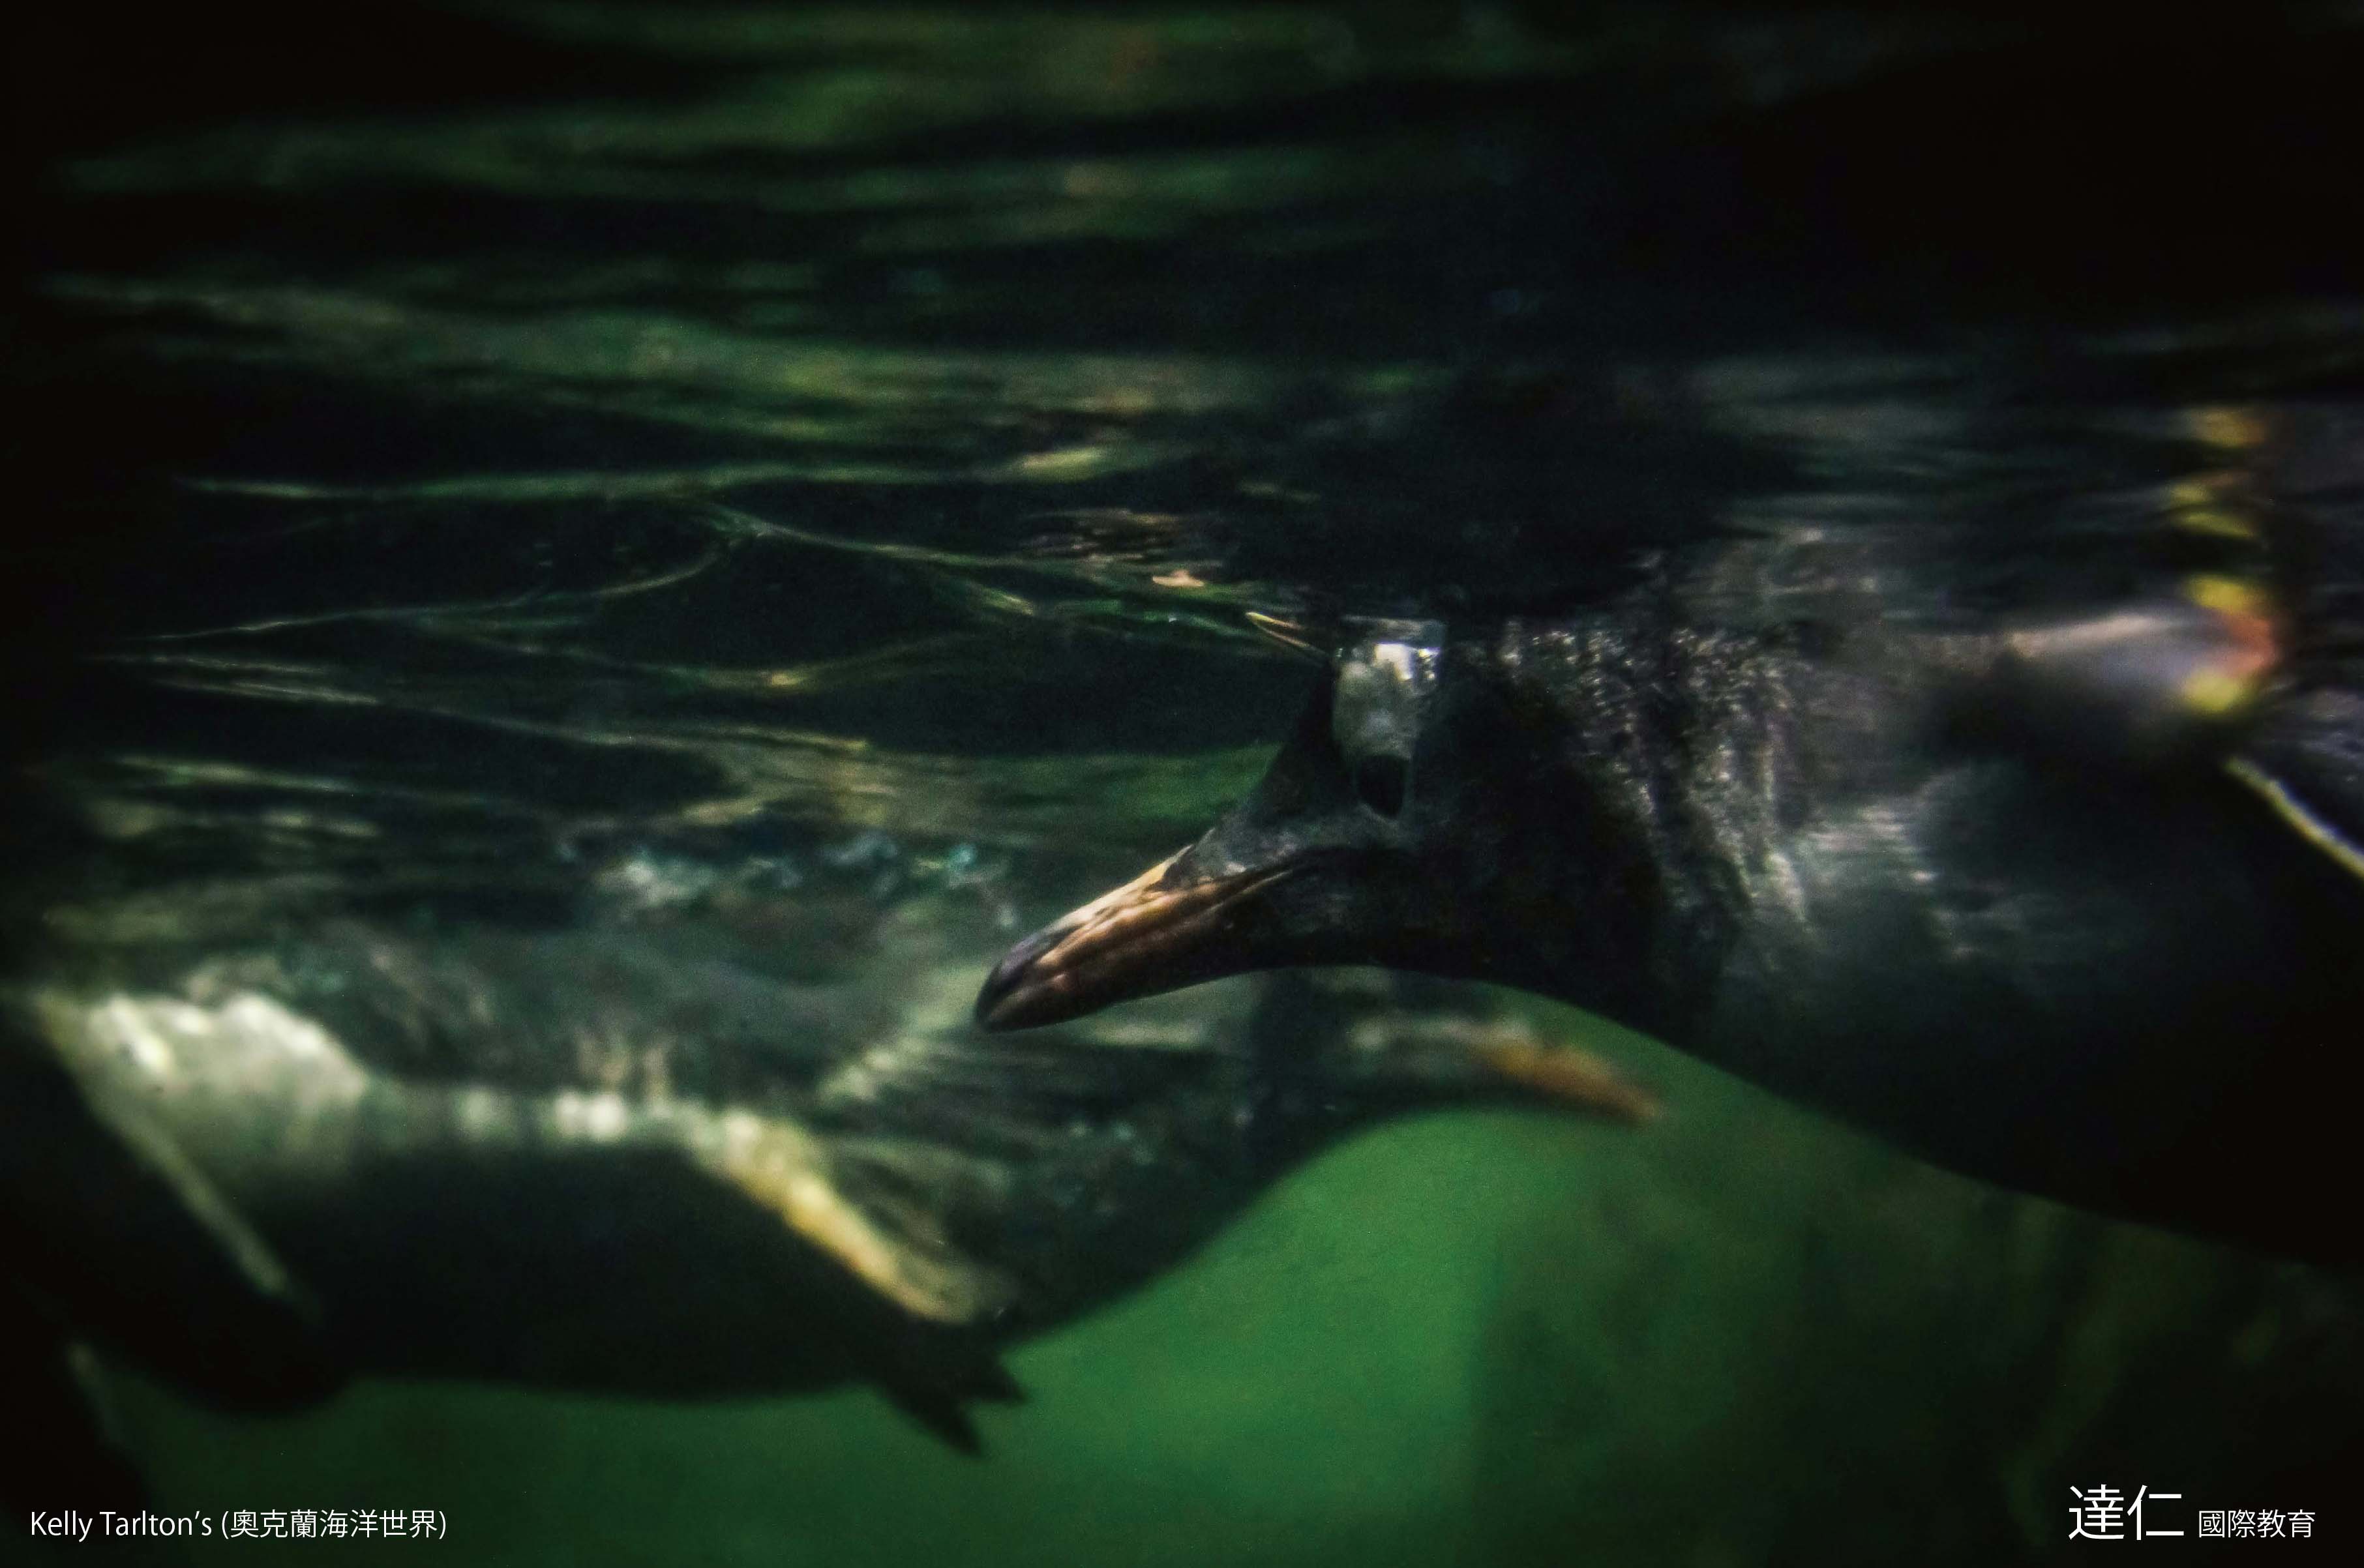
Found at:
[1375, 720]
[1381, 782]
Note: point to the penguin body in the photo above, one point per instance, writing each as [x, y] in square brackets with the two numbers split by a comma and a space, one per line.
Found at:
[2014, 895]
[645, 1160]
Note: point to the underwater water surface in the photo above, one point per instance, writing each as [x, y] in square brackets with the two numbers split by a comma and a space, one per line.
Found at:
[815, 492]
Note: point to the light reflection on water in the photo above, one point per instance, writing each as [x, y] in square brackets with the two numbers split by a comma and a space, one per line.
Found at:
[834, 470]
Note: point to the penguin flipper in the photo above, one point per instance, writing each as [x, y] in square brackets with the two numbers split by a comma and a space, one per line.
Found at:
[2306, 761]
[67, 1455]
[835, 1203]
[111, 1228]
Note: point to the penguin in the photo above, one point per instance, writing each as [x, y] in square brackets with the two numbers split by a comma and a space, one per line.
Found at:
[2066, 898]
[643, 1160]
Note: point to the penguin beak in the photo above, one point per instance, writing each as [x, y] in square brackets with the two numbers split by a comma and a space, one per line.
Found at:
[1153, 934]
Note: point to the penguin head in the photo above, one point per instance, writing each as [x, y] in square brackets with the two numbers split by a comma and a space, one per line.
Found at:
[1400, 825]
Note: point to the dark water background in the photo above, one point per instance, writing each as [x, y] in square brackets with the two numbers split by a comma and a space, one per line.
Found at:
[475, 460]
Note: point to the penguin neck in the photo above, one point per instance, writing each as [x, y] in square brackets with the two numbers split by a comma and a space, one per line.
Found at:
[1667, 757]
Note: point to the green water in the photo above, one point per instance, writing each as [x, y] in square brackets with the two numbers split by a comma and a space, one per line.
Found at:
[1478, 1337]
